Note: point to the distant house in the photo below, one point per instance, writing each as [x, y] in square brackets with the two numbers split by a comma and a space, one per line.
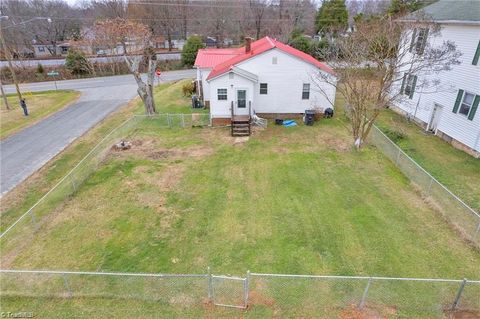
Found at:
[451, 112]
[266, 77]
[44, 49]
[210, 42]
[176, 44]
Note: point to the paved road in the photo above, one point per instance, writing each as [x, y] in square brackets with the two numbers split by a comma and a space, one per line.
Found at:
[101, 59]
[25, 152]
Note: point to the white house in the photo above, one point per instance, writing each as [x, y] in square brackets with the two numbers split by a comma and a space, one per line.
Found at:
[451, 111]
[266, 77]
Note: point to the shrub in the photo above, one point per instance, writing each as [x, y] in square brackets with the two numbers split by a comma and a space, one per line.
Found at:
[190, 50]
[394, 135]
[188, 89]
[77, 63]
[40, 69]
[302, 43]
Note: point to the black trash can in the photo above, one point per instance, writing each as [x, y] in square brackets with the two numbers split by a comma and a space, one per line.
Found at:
[328, 113]
[309, 117]
[196, 102]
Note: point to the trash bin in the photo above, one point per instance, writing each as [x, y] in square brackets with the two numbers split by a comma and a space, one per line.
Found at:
[196, 102]
[328, 113]
[309, 117]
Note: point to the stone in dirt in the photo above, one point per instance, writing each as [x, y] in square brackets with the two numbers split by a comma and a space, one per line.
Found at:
[123, 145]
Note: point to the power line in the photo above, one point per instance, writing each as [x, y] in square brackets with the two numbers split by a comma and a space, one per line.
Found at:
[152, 19]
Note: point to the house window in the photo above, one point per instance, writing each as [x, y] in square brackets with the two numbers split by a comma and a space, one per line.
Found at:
[222, 94]
[408, 85]
[41, 49]
[263, 88]
[230, 75]
[466, 104]
[476, 57]
[274, 60]
[306, 91]
[419, 40]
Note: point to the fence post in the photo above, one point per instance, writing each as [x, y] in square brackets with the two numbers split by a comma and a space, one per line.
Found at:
[430, 186]
[67, 286]
[210, 285]
[169, 121]
[475, 234]
[459, 294]
[246, 288]
[183, 120]
[398, 156]
[34, 220]
[73, 183]
[365, 293]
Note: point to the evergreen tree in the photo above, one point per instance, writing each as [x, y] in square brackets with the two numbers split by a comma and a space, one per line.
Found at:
[332, 17]
[190, 49]
[77, 63]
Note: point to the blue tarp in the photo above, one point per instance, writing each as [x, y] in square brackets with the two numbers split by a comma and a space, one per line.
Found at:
[288, 123]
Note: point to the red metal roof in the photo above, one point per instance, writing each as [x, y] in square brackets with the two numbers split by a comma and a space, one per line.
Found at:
[257, 48]
[208, 58]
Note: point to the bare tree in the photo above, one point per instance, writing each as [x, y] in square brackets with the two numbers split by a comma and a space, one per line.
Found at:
[400, 66]
[56, 30]
[257, 9]
[132, 36]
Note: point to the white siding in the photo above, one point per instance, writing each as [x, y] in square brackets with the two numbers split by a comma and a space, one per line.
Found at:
[464, 76]
[285, 80]
[222, 108]
[202, 74]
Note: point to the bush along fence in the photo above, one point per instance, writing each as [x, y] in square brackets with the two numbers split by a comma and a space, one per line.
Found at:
[287, 295]
[463, 218]
[32, 220]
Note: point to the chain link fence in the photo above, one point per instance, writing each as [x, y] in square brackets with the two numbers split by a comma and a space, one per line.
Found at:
[461, 216]
[31, 221]
[299, 296]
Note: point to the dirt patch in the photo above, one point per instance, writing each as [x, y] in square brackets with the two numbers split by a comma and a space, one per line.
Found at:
[255, 298]
[462, 314]
[146, 148]
[381, 312]
[176, 153]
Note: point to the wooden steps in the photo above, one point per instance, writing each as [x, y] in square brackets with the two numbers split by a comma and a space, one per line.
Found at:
[241, 128]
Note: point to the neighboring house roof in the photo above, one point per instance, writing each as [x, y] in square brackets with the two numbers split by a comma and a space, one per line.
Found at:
[260, 46]
[449, 11]
[208, 58]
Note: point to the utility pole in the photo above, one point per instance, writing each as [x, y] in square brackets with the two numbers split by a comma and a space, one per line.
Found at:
[7, 52]
[5, 100]
[10, 65]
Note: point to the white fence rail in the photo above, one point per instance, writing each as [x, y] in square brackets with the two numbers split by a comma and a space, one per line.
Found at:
[288, 295]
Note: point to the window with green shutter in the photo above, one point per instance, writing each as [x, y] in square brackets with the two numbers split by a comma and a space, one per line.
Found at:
[466, 104]
[477, 55]
[474, 107]
[457, 101]
[408, 85]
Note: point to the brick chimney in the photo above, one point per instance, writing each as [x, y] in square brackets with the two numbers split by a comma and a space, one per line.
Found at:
[248, 44]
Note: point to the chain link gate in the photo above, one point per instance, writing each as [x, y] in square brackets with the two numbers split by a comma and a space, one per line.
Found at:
[229, 291]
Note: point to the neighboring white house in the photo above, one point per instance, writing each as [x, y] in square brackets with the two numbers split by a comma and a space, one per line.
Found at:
[450, 112]
[266, 77]
[43, 49]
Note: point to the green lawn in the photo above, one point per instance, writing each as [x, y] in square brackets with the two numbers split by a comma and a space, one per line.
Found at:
[454, 168]
[40, 105]
[294, 200]
[170, 99]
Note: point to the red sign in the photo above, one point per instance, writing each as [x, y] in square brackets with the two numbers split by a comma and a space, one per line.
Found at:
[157, 72]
